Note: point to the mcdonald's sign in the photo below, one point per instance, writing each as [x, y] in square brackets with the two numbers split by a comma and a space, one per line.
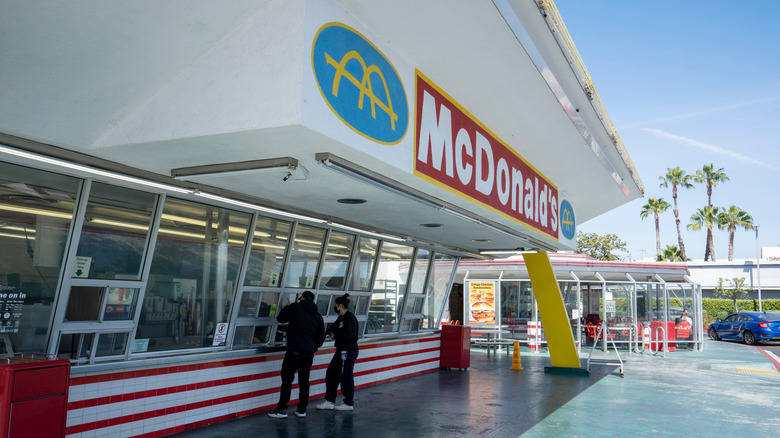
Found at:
[359, 84]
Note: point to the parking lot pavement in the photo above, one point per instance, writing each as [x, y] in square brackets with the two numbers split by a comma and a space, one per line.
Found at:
[728, 389]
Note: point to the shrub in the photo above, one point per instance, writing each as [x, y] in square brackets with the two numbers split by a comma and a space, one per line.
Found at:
[719, 308]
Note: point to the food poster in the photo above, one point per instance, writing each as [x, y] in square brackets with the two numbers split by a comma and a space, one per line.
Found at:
[482, 302]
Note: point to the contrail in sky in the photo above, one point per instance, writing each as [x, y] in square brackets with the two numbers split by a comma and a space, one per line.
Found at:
[704, 112]
[709, 148]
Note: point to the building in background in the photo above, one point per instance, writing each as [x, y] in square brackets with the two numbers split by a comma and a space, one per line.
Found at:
[763, 274]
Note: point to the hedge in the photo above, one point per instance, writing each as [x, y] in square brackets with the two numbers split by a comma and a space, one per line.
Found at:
[718, 308]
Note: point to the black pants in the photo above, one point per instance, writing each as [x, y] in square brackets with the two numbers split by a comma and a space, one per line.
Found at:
[340, 371]
[299, 361]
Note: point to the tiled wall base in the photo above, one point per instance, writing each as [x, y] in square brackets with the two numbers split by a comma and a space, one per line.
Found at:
[157, 401]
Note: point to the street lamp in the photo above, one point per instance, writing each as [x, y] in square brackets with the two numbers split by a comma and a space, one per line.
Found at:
[758, 270]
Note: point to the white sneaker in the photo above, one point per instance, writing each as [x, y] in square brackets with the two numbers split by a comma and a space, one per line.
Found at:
[326, 405]
[277, 414]
[300, 414]
[343, 407]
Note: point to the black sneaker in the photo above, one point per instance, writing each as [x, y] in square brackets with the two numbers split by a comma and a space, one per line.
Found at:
[300, 414]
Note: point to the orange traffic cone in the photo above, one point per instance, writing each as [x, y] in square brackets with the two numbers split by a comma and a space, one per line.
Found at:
[516, 364]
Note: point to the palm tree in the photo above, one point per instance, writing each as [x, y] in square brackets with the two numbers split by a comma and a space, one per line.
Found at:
[707, 217]
[677, 178]
[670, 254]
[655, 206]
[710, 178]
[731, 219]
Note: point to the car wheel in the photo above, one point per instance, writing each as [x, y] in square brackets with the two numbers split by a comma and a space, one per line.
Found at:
[713, 334]
[748, 337]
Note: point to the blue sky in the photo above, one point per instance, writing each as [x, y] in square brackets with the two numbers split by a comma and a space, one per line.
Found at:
[688, 83]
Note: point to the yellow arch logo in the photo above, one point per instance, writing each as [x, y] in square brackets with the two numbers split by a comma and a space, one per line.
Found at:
[363, 85]
[339, 52]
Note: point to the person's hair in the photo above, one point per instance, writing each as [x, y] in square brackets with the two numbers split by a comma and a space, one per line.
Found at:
[308, 295]
[343, 300]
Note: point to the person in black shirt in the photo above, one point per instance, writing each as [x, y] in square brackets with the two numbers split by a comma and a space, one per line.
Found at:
[340, 371]
[305, 334]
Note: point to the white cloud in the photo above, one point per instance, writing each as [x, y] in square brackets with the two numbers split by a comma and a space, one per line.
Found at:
[709, 148]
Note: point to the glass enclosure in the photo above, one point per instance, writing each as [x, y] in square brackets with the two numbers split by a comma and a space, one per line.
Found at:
[621, 309]
[92, 271]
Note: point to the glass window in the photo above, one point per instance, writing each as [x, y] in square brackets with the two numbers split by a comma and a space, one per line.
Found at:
[516, 302]
[268, 304]
[111, 344]
[618, 297]
[364, 265]
[419, 272]
[304, 257]
[323, 303]
[75, 346]
[249, 304]
[389, 288]
[334, 268]
[113, 238]
[84, 303]
[193, 273]
[251, 335]
[362, 305]
[36, 211]
[266, 258]
[120, 304]
[437, 289]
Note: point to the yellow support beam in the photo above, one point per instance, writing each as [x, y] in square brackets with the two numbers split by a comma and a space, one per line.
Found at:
[555, 320]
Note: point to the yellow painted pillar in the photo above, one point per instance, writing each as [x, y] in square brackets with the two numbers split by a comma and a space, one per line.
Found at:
[555, 320]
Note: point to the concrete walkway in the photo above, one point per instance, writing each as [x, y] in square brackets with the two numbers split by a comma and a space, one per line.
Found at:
[728, 389]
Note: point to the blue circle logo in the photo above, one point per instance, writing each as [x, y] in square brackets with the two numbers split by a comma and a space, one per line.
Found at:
[568, 224]
[359, 84]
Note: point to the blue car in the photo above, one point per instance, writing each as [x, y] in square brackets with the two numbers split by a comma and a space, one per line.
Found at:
[750, 327]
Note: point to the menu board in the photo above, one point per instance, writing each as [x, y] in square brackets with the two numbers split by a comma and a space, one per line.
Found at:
[482, 302]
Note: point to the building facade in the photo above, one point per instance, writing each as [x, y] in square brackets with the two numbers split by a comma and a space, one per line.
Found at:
[169, 180]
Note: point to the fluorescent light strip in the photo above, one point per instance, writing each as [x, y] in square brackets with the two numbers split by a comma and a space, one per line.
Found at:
[268, 245]
[507, 252]
[369, 233]
[119, 224]
[22, 229]
[38, 211]
[80, 168]
[259, 208]
[181, 233]
[16, 236]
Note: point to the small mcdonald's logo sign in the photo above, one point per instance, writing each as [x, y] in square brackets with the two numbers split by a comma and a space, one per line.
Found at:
[359, 84]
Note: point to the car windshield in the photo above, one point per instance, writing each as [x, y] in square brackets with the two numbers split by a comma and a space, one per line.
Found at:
[768, 316]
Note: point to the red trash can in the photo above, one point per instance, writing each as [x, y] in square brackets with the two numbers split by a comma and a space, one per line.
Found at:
[670, 336]
[455, 346]
[33, 397]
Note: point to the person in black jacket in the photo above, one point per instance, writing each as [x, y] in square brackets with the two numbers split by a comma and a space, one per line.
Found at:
[305, 334]
[345, 332]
